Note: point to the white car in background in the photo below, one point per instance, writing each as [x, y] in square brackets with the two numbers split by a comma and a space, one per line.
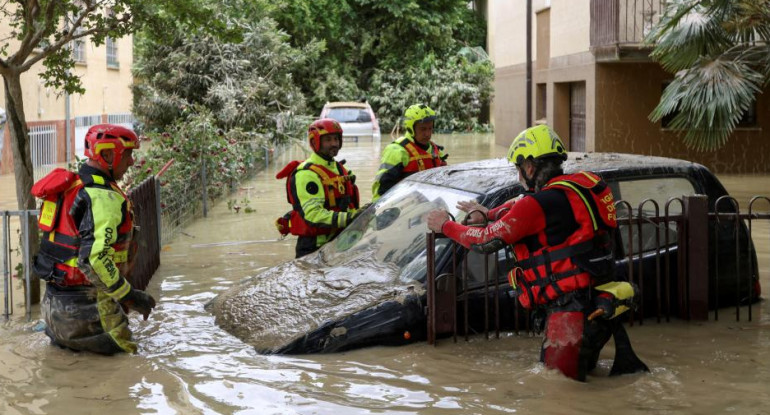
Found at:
[356, 119]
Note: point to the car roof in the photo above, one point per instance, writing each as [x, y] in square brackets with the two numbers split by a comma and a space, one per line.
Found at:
[351, 104]
[487, 176]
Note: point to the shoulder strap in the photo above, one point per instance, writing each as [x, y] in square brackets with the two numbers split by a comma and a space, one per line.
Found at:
[92, 180]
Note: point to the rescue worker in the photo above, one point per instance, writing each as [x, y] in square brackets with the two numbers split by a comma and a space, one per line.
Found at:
[86, 222]
[321, 191]
[561, 238]
[410, 153]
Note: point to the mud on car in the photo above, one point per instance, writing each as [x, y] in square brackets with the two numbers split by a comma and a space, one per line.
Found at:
[367, 286]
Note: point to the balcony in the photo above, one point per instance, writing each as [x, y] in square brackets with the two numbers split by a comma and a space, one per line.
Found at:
[618, 28]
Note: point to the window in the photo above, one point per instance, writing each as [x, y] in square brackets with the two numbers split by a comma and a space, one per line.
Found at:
[541, 107]
[659, 189]
[350, 115]
[112, 52]
[577, 116]
[79, 49]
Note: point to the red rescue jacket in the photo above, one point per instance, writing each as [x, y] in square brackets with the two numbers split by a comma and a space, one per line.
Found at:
[545, 273]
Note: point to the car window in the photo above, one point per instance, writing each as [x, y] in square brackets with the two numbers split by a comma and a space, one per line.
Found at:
[393, 230]
[659, 189]
[351, 115]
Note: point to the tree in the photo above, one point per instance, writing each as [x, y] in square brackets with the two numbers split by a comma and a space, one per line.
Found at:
[41, 31]
[365, 36]
[719, 51]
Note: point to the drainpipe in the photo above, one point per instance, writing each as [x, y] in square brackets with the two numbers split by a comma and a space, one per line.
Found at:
[529, 63]
[67, 133]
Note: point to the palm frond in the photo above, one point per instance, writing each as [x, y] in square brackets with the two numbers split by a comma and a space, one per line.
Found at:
[687, 31]
[708, 100]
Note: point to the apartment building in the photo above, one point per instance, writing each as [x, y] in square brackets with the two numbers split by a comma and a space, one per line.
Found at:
[105, 72]
[594, 82]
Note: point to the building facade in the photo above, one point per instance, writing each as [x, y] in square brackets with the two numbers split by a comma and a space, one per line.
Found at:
[594, 82]
[105, 73]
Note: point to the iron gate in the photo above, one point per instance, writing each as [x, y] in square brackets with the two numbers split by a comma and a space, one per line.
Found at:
[679, 261]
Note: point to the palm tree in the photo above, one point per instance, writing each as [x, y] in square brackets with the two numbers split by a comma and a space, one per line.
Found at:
[719, 51]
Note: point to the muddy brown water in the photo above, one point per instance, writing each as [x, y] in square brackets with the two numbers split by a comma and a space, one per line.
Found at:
[188, 365]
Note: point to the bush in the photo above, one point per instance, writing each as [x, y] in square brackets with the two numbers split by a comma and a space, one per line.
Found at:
[456, 89]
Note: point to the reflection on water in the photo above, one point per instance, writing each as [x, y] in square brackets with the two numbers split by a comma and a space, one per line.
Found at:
[187, 365]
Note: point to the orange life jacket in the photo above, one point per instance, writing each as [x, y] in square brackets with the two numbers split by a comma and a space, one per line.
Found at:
[420, 159]
[583, 259]
[59, 248]
[339, 194]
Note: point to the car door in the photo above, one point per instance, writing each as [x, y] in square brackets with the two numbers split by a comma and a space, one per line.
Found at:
[649, 243]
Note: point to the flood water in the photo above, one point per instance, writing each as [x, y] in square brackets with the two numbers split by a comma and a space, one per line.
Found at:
[187, 365]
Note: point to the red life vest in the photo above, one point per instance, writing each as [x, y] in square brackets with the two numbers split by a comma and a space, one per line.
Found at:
[339, 194]
[57, 260]
[583, 259]
[420, 159]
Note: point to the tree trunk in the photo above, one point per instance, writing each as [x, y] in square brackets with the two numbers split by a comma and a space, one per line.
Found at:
[22, 166]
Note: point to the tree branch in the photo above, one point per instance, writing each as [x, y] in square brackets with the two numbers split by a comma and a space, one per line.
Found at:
[72, 34]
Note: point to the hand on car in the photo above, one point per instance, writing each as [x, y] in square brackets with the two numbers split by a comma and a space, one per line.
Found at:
[436, 220]
[479, 214]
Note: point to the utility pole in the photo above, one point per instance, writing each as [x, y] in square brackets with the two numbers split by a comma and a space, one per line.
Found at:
[529, 63]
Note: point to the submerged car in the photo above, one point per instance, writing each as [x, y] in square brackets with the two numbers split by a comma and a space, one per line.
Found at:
[367, 286]
[356, 119]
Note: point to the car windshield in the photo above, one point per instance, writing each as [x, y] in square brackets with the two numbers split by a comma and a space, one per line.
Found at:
[393, 230]
[353, 115]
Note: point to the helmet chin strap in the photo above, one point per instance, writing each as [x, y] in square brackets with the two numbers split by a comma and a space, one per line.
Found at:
[529, 180]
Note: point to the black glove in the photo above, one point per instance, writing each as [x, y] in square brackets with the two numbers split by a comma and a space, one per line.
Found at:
[605, 307]
[139, 301]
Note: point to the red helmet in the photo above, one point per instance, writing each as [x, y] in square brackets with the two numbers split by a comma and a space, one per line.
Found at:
[109, 137]
[320, 128]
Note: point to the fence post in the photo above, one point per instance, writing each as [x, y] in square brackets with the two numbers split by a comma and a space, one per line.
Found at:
[27, 263]
[158, 212]
[6, 264]
[695, 293]
[430, 281]
[205, 189]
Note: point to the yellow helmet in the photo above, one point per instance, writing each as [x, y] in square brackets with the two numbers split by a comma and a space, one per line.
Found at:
[537, 143]
[417, 113]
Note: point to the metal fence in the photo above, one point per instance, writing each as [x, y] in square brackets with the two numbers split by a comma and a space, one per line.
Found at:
[145, 258]
[143, 261]
[183, 206]
[123, 118]
[43, 149]
[8, 254]
[687, 262]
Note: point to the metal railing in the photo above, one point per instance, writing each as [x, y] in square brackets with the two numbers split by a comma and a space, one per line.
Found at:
[193, 200]
[122, 118]
[7, 259]
[145, 258]
[686, 261]
[619, 23]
